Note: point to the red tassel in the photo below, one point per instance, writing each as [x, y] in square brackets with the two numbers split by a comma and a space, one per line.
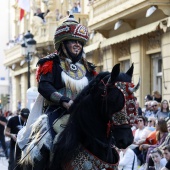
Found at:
[44, 69]
[94, 73]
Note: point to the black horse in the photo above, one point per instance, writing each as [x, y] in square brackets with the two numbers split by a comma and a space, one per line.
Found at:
[100, 120]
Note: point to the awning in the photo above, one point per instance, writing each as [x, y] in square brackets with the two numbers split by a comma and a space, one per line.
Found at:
[164, 23]
[92, 47]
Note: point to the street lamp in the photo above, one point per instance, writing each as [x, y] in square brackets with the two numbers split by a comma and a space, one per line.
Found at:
[28, 48]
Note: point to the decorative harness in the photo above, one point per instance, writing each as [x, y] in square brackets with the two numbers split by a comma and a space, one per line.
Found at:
[127, 115]
[87, 161]
[128, 112]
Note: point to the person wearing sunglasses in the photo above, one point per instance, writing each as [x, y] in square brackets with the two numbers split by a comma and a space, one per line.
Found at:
[141, 132]
[151, 124]
[140, 136]
[148, 110]
[155, 107]
[164, 111]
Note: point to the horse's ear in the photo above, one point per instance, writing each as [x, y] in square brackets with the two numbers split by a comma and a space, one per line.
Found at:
[130, 71]
[115, 72]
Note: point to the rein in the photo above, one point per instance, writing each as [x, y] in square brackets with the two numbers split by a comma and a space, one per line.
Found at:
[110, 123]
[104, 95]
[111, 145]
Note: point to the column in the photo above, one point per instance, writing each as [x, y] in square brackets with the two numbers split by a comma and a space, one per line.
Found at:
[135, 50]
[166, 66]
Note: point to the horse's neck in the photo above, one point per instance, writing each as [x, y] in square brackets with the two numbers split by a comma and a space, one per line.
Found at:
[93, 131]
[101, 148]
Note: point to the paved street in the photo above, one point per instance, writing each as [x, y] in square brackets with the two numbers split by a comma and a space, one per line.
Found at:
[3, 163]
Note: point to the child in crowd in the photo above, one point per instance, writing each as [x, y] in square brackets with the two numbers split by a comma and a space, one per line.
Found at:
[158, 159]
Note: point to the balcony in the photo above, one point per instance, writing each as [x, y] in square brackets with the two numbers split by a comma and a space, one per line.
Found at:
[43, 34]
[13, 55]
[105, 13]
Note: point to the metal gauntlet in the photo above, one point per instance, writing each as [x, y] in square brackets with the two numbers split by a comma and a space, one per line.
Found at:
[58, 98]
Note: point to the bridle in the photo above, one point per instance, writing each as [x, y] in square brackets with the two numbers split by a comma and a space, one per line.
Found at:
[123, 116]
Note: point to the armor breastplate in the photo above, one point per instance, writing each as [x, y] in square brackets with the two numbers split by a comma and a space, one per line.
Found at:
[76, 71]
[73, 77]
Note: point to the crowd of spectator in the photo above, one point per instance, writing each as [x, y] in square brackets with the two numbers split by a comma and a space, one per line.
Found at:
[15, 41]
[151, 147]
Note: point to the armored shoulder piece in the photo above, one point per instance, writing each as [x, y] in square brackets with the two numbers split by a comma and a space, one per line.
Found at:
[45, 64]
[50, 57]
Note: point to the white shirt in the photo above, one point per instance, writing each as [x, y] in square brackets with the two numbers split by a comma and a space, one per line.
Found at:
[126, 160]
[141, 134]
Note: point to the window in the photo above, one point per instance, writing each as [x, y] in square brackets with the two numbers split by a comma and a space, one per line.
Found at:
[125, 65]
[159, 65]
[157, 72]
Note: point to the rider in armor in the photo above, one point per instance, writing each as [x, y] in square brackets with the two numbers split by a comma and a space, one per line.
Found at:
[61, 76]
[64, 73]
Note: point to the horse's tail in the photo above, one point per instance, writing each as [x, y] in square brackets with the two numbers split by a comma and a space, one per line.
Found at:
[39, 137]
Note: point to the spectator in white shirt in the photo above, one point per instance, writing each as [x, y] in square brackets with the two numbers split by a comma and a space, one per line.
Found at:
[140, 136]
[128, 160]
[141, 133]
[155, 107]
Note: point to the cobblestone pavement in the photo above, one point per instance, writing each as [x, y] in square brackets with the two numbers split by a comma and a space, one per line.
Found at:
[3, 163]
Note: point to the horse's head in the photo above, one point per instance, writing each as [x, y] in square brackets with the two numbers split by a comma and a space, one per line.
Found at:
[118, 104]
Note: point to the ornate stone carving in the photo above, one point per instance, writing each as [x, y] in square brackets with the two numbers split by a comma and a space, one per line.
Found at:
[154, 40]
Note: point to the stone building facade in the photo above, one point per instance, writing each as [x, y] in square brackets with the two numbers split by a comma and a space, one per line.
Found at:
[120, 32]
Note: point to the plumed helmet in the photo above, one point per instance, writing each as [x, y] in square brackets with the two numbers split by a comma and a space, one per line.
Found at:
[25, 112]
[70, 30]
